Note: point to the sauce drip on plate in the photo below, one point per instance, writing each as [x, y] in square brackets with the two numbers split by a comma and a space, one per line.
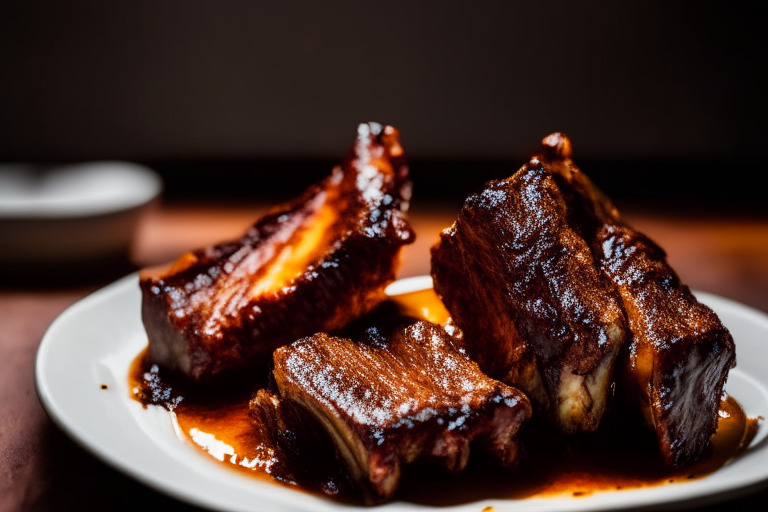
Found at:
[621, 455]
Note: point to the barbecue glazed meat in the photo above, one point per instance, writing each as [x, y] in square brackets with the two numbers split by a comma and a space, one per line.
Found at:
[518, 276]
[386, 401]
[292, 449]
[679, 352]
[268, 420]
[312, 264]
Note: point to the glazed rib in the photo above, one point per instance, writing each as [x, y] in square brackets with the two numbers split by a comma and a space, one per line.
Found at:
[548, 282]
[680, 353]
[678, 356]
[312, 264]
[520, 280]
[388, 401]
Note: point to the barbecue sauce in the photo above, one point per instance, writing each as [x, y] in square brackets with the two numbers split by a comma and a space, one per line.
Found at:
[620, 455]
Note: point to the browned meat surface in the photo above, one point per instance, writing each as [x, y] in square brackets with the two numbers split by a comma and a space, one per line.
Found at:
[294, 450]
[388, 400]
[269, 422]
[678, 360]
[312, 264]
[519, 278]
[545, 246]
[679, 353]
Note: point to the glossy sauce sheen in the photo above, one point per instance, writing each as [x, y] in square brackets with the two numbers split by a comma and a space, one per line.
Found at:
[619, 456]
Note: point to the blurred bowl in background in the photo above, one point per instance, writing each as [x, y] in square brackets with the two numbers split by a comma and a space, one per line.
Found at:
[72, 214]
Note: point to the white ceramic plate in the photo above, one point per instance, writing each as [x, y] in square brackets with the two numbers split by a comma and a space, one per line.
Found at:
[94, 342]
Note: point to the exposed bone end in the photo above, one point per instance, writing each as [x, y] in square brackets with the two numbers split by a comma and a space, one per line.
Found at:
[557, 146]
[383, 476]
[452, 450]
[583, 399]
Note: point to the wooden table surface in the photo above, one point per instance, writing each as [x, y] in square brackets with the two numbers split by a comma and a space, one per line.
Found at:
[42, 470]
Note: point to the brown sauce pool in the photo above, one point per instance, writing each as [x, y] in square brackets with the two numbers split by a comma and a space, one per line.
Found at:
[621, 455]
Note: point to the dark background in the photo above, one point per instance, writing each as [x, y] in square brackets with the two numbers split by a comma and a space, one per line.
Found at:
[233, 101]
[247, 101]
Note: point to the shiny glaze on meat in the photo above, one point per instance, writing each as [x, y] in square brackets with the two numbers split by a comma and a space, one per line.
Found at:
[680, 353]
[313, 264]
[520, 279]
[676, 362]
[388, 399]
[616, 457]
[549, 284]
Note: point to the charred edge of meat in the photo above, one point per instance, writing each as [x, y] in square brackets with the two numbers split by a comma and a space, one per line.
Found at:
[679, 356]
[388, 402]
[552, 325]
[207, 314]
[677, 360]
[596, 207]
[303, 455]
[268, 420]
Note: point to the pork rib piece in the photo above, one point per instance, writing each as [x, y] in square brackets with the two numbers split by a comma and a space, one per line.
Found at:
[679, 354]
[312, 264]
[518, 277]
[386, 401]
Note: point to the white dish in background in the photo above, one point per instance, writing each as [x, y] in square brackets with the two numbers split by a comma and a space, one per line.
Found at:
[73, 212]
[95, 341]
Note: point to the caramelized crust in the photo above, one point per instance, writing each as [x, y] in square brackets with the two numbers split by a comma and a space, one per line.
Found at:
[547, 282]
[678, 356]
[386, 402]
[520, 280]
[312, 264]
[267, 417]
